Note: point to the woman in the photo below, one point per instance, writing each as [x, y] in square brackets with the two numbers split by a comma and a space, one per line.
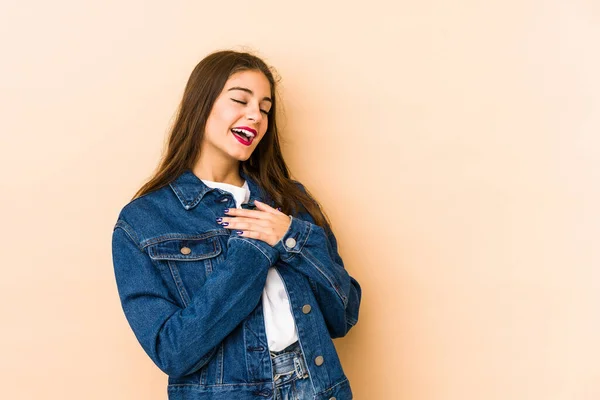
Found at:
[227, 270]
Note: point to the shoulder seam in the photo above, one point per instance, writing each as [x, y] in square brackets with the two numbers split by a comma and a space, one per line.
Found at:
[129, 231]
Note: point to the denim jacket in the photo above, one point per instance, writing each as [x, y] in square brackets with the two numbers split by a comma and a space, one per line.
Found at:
[191, 292]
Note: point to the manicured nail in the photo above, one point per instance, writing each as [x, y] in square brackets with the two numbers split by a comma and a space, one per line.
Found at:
[226, 210]
[278, 208]
[219, 219]
[239, 232]
[224, 223]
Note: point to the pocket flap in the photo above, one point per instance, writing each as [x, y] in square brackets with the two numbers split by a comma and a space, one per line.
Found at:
[185, 249]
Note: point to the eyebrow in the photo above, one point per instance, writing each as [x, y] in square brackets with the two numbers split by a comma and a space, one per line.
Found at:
[243, 89]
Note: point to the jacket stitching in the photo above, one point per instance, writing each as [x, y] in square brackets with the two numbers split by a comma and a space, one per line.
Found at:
[178, 283]
[259, 249]
[341, 296]
[180, 236]
[130, 232]
[342, 382]
[331, 387]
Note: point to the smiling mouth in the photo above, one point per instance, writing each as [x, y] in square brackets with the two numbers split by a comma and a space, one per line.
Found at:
[243, 134]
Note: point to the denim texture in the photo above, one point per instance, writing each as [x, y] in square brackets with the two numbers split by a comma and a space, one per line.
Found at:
[191, 292]
[290, 374]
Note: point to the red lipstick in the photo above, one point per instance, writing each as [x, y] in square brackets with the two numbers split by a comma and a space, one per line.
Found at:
[246, 128]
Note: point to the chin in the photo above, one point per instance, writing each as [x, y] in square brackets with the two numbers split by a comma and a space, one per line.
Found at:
[242, 157]
[241, 154]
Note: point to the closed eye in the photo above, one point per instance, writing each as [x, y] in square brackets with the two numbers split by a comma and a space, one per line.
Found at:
[243, 102]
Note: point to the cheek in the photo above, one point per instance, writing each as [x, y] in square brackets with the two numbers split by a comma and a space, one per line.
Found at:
[222, 114]
[263, 129]
[264, 124]
[212, 125]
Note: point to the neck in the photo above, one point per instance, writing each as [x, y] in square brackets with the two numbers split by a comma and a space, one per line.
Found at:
[215, 172]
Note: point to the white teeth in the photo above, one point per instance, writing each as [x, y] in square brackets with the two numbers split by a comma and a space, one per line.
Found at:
[244, 132]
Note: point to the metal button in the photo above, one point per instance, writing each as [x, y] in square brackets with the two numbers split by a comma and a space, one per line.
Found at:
[186, 250]
[290, 242]
[319, 360]
[332, 398]
[306, 308]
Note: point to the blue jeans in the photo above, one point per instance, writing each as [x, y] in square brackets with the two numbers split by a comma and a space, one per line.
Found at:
[290, 374]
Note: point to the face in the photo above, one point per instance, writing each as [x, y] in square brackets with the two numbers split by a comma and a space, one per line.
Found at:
[239, 117]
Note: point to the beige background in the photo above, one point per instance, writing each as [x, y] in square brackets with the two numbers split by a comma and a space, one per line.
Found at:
[454, 144]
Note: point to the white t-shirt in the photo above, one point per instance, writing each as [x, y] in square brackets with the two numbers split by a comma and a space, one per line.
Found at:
[279, 321]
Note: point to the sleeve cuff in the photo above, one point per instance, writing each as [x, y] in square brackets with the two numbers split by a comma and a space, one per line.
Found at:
[269, 252]
[294, 239]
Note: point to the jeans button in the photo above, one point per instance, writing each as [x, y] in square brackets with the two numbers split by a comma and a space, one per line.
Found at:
[290, 242]
[185, 250]
[319, 360]
[306, 308]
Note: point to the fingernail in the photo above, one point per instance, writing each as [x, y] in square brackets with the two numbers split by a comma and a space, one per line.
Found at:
[219, 219]
[279, 208]
[239, 232]
[224, 223]
[226, 210]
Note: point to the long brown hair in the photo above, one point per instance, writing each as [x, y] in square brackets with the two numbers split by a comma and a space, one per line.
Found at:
[266, 164]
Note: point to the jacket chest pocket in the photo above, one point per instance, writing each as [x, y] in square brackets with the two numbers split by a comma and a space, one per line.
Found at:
[189, 261]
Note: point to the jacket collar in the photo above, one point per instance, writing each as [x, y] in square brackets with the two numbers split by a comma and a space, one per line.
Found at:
[190, 189]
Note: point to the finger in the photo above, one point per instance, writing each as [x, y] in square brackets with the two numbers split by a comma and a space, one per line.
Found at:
[265, 207]
[242, 212]
[264, 234]
[257, 235]
[250, 225]
[244, 222]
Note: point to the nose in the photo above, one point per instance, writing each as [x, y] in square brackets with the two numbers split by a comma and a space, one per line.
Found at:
[254, 114]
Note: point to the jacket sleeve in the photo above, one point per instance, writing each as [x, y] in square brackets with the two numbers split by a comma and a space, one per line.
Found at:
[181, 340]
[314, 252]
